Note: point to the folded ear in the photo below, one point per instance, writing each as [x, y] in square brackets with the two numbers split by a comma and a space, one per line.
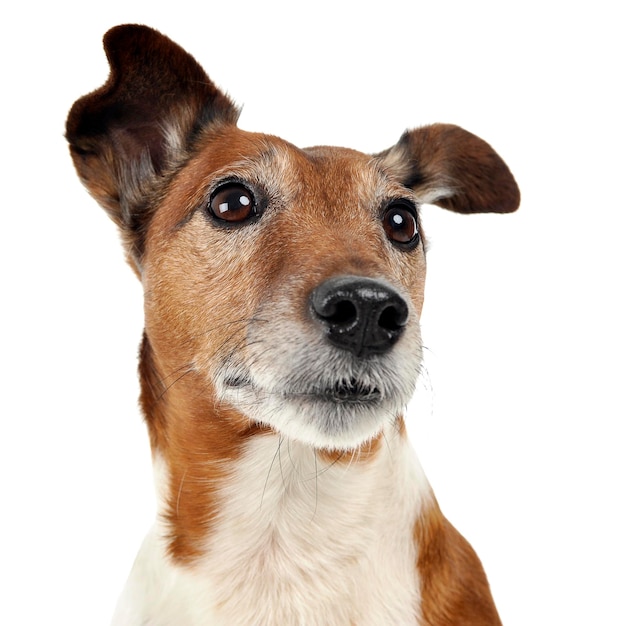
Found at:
[447, 166]
[128, 135]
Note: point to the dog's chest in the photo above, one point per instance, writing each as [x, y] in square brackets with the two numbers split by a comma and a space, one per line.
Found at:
[301, 541]
[327, 544]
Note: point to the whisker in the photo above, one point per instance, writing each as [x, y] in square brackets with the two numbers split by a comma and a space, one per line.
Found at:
[243, 322]
[179, 378]
[280, 463]
[331, 465]
[180, 490]
[269, 471]
[316, 485]
[293, 465]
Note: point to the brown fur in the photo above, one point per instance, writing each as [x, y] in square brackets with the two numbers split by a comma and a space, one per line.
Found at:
[149, 145]
[446, 157]
[455, 590]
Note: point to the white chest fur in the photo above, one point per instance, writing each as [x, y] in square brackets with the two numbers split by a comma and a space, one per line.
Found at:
[298, 541]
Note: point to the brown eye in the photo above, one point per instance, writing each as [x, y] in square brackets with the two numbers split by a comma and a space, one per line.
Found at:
[232, 203]
[400, 224]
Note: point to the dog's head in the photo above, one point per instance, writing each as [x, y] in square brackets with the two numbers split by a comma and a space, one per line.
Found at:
[285, 283]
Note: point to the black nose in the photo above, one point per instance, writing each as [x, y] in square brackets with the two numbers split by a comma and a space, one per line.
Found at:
[362, 315]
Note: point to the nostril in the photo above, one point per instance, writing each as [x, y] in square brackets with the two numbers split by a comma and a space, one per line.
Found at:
[394, 317]
[335, 307]
[341, 312]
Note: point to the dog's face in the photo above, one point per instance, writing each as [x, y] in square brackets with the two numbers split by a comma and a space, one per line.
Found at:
[289, 282]
[235, 258]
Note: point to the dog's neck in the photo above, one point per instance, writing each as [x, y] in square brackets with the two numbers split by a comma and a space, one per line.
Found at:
[209, 457]
[250, 512]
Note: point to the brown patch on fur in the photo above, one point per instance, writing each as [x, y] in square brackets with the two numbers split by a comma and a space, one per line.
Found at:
[401, 427]
[199, 442]
[366, 452]
[455, 591]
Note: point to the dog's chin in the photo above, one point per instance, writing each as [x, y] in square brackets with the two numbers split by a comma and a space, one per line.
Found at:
[343, 416]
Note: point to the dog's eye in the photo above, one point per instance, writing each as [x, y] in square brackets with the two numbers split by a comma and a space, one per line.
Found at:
[400, 224]
[232, 203]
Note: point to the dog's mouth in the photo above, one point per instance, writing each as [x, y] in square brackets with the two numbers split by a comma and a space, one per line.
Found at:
[351, 391]
[334, 409]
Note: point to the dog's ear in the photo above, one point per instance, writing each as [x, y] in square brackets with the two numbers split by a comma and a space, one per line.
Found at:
[448, 166]
[126, 137]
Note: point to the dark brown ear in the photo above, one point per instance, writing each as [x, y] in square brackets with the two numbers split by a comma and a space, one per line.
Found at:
[447, 166]
[127, 136]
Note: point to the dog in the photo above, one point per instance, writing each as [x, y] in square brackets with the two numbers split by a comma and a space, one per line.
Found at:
[283, 290]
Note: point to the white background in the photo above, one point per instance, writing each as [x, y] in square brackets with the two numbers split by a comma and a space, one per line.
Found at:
[520, 425]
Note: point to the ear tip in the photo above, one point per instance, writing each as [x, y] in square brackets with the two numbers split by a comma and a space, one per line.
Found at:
[132, 46]
[509, 193]
[505, 197]
[115, 41]
[122, 32]
[514, 200]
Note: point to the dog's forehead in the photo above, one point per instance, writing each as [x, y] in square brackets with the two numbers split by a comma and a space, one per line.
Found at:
[314, 179]
[314, 168]
[286, 169]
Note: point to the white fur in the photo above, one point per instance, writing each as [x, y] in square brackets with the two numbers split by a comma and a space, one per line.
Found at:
[299, 541]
